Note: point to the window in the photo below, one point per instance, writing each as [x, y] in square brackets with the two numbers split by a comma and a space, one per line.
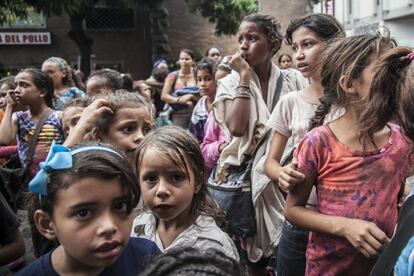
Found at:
[103, 18]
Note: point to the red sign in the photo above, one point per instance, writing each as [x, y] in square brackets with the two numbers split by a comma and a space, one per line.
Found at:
[330, 7]
[25, 38]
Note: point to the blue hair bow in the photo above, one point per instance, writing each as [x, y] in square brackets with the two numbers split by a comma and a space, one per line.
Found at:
[58, 158]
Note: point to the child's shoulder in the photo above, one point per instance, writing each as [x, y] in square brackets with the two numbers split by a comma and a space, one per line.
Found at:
[319, 134]
[142, 247]
[40, 266]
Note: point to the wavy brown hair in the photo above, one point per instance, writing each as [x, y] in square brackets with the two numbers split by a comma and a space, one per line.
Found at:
[179, 146]
[346, 57]
[391, 94]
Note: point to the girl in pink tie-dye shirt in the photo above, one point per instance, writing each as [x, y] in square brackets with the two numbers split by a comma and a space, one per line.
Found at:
[357, 177]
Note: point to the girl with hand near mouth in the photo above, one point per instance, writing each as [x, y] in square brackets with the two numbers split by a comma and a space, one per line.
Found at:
[242, 106]
[34, 89]
[173, 181]
[83, 198]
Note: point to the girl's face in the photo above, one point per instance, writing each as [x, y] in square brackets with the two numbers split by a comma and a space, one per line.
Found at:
[166, 190]
[53, 70]
[214, 54]
[185, 60]
[70, 118]
[26, 92]
[145, 91]
[254, 44]
[308, 47]
[285, 62]
[127, 129]
[363, 83]
[93, 228]
[96, 84]
[206, 83]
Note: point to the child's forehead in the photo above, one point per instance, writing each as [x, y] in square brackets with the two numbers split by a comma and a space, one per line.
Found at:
[83, 190]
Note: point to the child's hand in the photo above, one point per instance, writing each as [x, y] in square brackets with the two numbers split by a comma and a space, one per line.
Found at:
[365, 236]
[186, 98]
[91, 114]
[290, 176]
[10, 99]
[238, 63]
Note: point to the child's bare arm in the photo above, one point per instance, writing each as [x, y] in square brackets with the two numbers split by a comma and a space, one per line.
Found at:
[287, 176]
[365, 236]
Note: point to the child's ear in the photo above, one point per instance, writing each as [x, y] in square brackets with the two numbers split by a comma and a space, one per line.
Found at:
[44, 224]
[347, 87]
[95, 135]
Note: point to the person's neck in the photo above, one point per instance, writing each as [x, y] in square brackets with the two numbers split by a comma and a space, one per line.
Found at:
[64, 264]
[314, 91]
[185, 70]
[209, 103]
[37, 110]
[263, 71]
[60, 88]
[169, 230]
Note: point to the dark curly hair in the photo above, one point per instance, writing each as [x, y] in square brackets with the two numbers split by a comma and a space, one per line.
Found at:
[270, 27]
[188, 261]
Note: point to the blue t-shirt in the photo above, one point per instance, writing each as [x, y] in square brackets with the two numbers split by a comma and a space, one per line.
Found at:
[136, 256]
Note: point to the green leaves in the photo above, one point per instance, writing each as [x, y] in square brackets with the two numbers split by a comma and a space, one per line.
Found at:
[226, 14]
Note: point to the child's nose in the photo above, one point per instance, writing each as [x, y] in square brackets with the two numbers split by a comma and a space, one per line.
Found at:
[139, 135]
[107, 225]
[162, 190]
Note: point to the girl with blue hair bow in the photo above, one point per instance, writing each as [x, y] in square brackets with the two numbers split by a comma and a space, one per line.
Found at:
[92, 228]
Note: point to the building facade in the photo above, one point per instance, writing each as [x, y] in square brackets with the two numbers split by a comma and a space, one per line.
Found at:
[359, 16]
[127, 40]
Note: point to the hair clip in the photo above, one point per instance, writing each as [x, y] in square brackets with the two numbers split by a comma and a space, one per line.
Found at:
[58, 158]
[410, 56]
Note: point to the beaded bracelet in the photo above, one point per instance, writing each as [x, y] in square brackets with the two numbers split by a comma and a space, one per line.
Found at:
[243, 92]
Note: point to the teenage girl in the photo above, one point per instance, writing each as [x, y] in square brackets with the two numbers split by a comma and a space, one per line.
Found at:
[92, 228]
[61, 74]
[108, 79]
[357, 177]
[204, 74]
[173, 182]
[120, 119]
[34, 89]
[176, 80]
[308, 37]
[242, 107]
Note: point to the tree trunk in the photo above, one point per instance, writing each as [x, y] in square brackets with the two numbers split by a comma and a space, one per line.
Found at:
[78, 35]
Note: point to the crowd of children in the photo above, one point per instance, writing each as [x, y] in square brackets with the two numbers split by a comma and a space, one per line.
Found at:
[226, 166]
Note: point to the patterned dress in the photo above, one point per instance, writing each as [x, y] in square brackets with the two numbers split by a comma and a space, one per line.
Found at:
[352, 184]
[51, 131]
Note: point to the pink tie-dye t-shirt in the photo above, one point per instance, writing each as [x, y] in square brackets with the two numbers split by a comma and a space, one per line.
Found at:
[352, 184]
